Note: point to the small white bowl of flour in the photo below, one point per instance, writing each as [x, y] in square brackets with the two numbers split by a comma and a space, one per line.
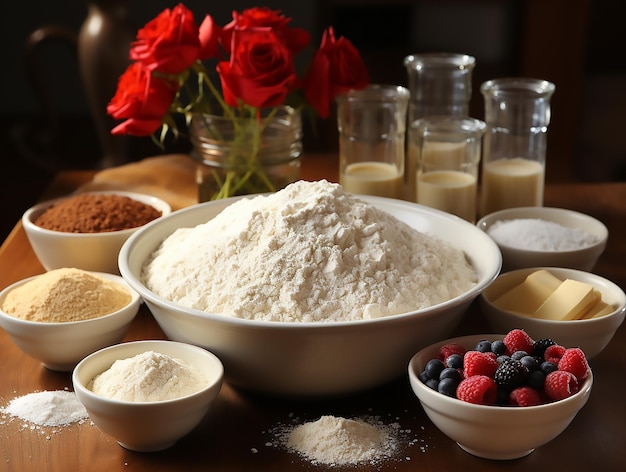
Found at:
[148, 394]
[546, 237]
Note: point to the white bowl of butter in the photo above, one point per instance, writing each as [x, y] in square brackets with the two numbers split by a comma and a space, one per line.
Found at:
[578, 308]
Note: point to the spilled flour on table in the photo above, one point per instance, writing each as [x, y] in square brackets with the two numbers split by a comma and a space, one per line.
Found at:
[338, 441]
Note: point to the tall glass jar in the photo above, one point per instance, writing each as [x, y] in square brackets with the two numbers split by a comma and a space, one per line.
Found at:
[517, 113]
[242, 156]
[440, 85]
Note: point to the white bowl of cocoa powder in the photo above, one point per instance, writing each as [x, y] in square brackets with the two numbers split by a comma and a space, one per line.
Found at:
[87, 230]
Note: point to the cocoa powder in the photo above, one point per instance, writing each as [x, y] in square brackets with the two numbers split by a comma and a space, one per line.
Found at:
[96, 213]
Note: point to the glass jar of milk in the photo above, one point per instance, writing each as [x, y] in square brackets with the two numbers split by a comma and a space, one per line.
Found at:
[448, 150]
[517, 113]
[440, 84]
[372, 128]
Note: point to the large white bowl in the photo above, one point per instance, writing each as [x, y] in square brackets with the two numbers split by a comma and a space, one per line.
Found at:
[592, 335]
[583, 258]
[311, 359]
[60, 346]
[148, 426]
[96, 252]
[493, 432]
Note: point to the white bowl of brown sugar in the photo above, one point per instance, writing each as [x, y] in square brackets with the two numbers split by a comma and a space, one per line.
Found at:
[63, 315]
[87, 230]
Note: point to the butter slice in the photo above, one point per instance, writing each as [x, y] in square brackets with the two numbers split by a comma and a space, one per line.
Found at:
[599, 309]
[528, 296]
[571, 299]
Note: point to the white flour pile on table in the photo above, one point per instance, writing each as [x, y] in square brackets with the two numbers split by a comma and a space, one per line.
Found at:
[335, 440]
[310, 252]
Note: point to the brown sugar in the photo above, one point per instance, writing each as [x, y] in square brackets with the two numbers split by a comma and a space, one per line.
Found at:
[96, 213]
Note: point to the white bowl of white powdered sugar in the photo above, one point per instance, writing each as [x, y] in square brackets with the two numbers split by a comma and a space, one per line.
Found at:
[311, 290]
[546, 236]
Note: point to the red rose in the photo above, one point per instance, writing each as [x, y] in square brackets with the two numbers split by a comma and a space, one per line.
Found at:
[261, 71]
[142, 100]
[169, 43]
[296, 39]
[209, 38]
[336, 68]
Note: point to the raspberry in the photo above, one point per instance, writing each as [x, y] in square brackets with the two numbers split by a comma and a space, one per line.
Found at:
[510, 374]
[560, 384]
[478, 389]
[554, 353]
[518, 340]
[479, 363]
[524, 396]
[574, 361]
[451, 348]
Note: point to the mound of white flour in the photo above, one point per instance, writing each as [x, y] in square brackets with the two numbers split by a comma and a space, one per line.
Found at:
[310, 252]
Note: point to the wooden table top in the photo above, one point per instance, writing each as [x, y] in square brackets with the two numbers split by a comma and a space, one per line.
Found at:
[237, 434]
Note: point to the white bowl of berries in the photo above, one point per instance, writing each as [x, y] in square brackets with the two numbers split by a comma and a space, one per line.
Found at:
[501, 396]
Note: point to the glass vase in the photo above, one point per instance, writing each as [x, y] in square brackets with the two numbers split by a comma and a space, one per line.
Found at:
[246, 155]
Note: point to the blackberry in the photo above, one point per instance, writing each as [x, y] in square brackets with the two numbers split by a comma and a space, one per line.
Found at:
[510, 374]
[540, 346]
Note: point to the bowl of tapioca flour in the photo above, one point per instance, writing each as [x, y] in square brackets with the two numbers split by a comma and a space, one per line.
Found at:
[311, 290]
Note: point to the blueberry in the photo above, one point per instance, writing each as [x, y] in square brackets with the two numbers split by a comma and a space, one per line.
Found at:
[448, 386]
[432, 383]
[501, 358]
[450, 373]
[423, 376]
[530, 363]
[455, 361]
[517, 355]
[498, 347]
[483, 346]
[548, 367]
[536, 379]
[433, 368]
[502, 397]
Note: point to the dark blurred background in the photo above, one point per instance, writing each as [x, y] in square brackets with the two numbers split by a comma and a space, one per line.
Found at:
[47, 123]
